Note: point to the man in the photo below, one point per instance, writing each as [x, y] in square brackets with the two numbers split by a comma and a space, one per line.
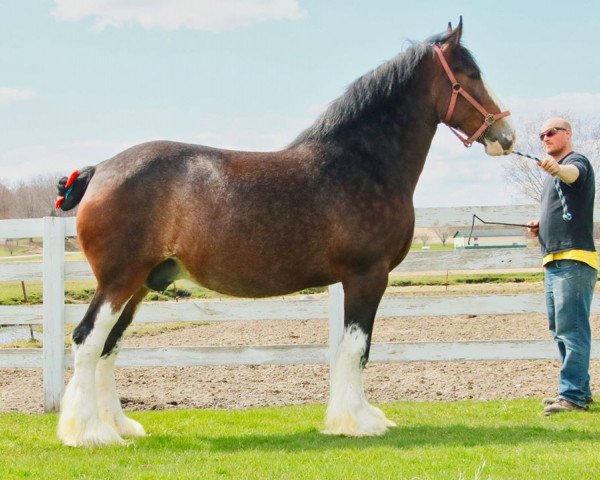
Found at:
[570, 262]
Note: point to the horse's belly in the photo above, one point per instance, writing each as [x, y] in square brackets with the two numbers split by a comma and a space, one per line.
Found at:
[265, 281]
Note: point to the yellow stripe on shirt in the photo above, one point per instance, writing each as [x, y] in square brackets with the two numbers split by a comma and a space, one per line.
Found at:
[589, 258]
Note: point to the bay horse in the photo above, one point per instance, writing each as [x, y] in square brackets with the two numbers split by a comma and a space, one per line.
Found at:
[334, 206]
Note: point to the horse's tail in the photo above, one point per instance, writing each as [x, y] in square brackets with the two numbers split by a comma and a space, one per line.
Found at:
[72, 188]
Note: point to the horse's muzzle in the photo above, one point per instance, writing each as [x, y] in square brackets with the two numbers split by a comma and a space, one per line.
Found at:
[500, 138]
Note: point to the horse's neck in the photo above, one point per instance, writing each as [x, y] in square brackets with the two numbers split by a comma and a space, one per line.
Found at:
[397, 143]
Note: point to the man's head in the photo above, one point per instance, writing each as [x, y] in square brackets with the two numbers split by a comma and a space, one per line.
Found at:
[555, 136]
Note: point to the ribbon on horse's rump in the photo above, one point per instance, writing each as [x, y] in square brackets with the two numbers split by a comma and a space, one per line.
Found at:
[566, 215]
[491, 223]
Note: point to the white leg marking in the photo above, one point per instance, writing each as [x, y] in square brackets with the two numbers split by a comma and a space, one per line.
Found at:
[109, 405]
[349, 413]
[79, 423]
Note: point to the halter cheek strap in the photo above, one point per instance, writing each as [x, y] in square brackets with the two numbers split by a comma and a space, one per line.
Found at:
[457, 89]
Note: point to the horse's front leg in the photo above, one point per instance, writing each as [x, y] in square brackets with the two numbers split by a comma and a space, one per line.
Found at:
[349, 413]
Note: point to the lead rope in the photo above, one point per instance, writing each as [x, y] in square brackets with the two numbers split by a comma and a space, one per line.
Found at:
[566, 215]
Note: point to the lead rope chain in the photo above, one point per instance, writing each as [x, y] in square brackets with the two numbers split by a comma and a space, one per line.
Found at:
[566, 215]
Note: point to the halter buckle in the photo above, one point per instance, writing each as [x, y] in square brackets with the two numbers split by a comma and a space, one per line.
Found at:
[490, 118]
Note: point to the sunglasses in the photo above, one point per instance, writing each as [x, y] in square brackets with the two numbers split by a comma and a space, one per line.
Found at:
[551, 132]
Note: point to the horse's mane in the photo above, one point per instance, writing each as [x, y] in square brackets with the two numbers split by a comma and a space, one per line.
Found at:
[372, 91]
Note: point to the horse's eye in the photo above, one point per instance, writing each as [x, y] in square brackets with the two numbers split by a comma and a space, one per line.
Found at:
[475, 76]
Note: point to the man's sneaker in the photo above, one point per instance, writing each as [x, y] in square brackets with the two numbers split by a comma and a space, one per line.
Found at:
[551, 400]
[562, 405]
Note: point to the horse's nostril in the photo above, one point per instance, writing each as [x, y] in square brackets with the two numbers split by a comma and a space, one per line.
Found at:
[507, 142]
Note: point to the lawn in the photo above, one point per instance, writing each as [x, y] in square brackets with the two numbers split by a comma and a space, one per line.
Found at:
[418, 246]
[82, 291]
[433, 440]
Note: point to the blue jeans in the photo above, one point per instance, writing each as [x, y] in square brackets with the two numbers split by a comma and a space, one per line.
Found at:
[569, 289]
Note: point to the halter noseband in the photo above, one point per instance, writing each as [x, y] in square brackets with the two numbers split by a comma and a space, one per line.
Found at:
[488, 118]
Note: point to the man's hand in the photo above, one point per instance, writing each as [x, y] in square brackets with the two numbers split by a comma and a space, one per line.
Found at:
[550, 165]
[567, 173]
[533, 228]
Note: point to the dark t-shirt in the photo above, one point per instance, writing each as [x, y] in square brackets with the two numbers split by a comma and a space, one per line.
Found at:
[557, 235]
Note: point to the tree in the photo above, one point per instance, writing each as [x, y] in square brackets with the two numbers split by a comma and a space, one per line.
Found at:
[443, 232]
[6, 201]
[10, 245]
[423, 237]
[524, 174]
[35, 198]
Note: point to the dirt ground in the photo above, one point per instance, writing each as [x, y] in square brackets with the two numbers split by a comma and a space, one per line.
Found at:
[248, 386]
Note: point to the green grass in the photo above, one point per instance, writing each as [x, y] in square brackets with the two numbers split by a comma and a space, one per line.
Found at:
[23, 343]
[472, 278]
[418, 246]
[82, 291]
[22, 249]
[76, 291]
[450, 440]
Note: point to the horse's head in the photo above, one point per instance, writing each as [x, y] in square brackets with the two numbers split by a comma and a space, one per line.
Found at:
[464, 101]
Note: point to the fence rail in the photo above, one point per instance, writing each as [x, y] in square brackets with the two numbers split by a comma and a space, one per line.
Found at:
[54, 314]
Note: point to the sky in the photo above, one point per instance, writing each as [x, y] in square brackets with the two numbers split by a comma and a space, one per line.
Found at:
[81, 80]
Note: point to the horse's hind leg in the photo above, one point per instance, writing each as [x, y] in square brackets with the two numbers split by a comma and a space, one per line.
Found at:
[109, 405]
[79, 423]
[349, 412]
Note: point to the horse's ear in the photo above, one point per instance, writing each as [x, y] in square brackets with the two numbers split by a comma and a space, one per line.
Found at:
[449, 29]
[455, 35]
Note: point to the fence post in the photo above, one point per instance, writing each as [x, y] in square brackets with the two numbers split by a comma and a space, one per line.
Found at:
[336, 321]
[54, 311]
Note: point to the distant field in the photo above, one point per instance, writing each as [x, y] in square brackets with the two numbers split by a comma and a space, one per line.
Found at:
[82, 291]
[432, 246]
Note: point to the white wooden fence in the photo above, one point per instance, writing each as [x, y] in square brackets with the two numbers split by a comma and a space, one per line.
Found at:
[53, 314]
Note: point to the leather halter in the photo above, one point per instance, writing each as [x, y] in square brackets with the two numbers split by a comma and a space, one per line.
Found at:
[488, 118]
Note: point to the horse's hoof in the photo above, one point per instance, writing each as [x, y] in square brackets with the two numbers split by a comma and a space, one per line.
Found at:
[125, 426]
[95, 434]
[379, 413]
[366, 424]
[349, 431]
[128, 427]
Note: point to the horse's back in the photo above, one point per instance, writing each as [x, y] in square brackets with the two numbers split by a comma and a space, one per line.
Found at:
[229, 216]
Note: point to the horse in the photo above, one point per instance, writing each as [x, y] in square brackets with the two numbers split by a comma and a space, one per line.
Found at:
[335, 205]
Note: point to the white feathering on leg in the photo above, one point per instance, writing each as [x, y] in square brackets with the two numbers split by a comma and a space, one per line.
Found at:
[109, 405]
[79, 423]
[349, 413]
